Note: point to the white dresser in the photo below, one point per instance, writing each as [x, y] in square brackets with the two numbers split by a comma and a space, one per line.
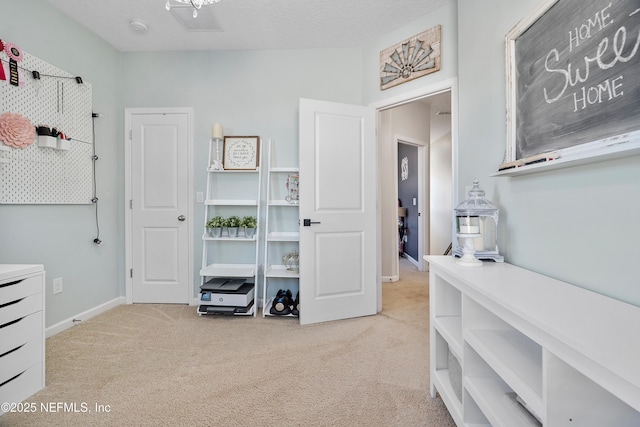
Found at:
[22, 370]
[510, 347]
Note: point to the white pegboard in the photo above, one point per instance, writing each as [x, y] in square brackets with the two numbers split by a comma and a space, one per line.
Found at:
[37, 175]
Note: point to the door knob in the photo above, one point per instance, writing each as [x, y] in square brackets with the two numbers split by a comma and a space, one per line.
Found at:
[181, 218]
[307, 222]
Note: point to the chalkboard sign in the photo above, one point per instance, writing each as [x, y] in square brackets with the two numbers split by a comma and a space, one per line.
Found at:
[573, 72]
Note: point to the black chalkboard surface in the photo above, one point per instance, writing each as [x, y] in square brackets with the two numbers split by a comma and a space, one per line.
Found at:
[575, 76]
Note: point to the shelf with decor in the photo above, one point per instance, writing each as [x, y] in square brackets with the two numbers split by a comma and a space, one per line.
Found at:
[281, 259]
[230, 250]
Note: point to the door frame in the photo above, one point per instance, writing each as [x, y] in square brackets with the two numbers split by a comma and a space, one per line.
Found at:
[423, 185]
[445, 85]
[128, 220]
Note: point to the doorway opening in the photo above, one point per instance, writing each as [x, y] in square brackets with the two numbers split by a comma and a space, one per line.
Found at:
[424, 119]
[412, 179]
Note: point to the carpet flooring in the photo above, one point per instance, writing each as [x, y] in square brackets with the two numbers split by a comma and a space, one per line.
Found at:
[150, 365]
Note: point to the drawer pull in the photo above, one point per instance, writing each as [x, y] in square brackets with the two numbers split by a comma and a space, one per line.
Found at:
[11, 302]
[13, 378]
[11, 323]
[11, 351]
[11, 283]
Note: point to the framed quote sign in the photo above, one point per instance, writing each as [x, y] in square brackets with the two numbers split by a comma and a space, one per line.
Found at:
[241, 152]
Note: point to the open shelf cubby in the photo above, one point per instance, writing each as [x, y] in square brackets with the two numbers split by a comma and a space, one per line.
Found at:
[510, 347]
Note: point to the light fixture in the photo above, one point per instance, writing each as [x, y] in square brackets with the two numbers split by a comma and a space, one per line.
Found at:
[476, 229]
[196, 4]
[138, 26]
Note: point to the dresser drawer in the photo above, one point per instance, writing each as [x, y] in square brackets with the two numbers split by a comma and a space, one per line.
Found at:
[15, 290]
[20, 359]
[22, 386]
[28, 328]
[20, 308]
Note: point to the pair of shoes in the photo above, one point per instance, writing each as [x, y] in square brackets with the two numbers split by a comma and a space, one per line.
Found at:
[295, 307]
[284, 303]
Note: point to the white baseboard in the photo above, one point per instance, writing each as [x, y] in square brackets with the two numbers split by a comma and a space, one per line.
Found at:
[411, 260]
[85, 315]
[390, 278]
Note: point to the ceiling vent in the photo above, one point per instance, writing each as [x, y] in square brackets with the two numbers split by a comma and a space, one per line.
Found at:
[204, 22]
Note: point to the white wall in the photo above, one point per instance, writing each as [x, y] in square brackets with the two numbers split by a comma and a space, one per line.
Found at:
[60, 236]
[440, 170]
[248, 92]
[573, 224]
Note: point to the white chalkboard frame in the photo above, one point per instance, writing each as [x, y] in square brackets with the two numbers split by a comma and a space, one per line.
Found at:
[598, 150]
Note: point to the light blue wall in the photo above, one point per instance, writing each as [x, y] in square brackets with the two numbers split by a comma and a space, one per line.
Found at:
[58, 236]
[576, 224]
[446, 16]
[248, 92]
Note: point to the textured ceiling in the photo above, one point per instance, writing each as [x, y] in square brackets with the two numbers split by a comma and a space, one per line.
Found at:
[247, 24]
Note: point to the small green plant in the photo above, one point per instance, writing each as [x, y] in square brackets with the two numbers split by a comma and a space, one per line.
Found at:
[233, 221]
[249, 222]
[216, 221]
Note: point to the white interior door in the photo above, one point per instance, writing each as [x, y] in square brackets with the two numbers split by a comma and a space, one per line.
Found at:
[160, 220]
[338, 235]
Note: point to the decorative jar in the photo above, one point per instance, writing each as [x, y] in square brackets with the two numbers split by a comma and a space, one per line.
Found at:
[479, 217]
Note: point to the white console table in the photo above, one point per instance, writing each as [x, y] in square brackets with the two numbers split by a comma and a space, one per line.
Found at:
[22, 364]
[503, 338]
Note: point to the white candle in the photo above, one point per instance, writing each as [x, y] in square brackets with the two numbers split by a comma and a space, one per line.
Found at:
[216, 131]
[469, 229]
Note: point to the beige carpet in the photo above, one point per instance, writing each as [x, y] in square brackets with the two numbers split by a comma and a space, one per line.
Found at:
[163, 365]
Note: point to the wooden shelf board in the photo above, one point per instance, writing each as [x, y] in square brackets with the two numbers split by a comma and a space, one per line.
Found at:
[240, 238]
[514, 357]
[229, 270]
[280, 271]
[231, 202]
[282, 203]
[450, 327]
[498, 403]
[234, 171]
[284, 236]
[443, 386]
[284, 169]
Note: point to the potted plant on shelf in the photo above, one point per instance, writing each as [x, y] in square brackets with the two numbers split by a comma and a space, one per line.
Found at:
[215, 225]
[249, 223]
[233, 223]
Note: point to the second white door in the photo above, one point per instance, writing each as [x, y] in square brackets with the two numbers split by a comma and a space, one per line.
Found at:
[159, 208]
